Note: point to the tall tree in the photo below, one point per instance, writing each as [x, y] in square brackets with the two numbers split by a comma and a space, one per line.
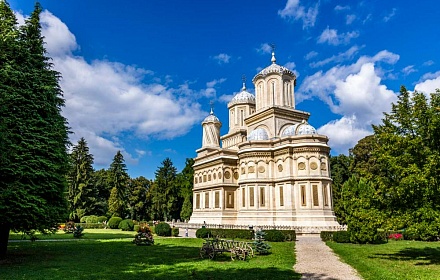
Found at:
[340, 167]
[33, 180]
[185, 182]
[101, 180]
[165, 200]
[137, 198]
[118, 179]
[82, 189]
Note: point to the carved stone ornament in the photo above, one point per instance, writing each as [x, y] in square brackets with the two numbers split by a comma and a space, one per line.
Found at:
[236, 175]
[323, 166]
[227, 175]
[280, 167]
[261, 169]
[301, 166]
[209, 177]
[251, 169]
[214, 176]
[243, 170]
[314, 165]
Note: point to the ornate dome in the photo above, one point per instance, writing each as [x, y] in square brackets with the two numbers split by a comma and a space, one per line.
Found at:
[302, 128]
[258, 134]
[274, 68]
[243, 96]
[211, 118]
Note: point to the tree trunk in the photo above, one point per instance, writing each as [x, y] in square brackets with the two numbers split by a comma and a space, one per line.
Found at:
[4, 238]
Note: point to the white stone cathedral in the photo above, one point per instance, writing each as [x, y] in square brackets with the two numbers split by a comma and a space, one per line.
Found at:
[271, 168]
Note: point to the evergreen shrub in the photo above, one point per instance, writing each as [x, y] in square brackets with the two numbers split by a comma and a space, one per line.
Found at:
[260, 246]
[175, 231]
[274, 235]
[136, 228]
[91, 226]
[326, 235]
[232, 233]
[203, 233]
[102, 219]
[92, 219]
[289, 235]
[83, 219]
[341, 237]
[163, 229]
[126, 225]
[113, 223]
[78, 231]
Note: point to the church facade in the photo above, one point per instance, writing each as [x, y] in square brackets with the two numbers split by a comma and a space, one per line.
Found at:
[271, 168]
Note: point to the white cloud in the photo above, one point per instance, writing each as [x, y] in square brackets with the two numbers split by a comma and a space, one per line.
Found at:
[340, 57]
[390, 15]
[264, 48]
[428, 63]
[293, 10]
[353, 91]
[332, 37]
[342, 8]
[408, 70]
[429, 83]
[310, 55]
[350, 19]
[290, 65]
[222, 58]
[105, 99]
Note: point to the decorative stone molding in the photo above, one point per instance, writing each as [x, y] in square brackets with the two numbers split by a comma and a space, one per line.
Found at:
[261, 169]
[251, 169]
[236, 175]
[227, 175]
[280, 167]
[313, 165]
[301, 166]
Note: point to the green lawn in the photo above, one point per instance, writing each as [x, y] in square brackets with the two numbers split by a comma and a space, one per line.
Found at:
[394, 260]
[88, 234]
[169, 258]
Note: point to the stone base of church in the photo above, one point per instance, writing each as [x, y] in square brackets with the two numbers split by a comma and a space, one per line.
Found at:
[277, 219]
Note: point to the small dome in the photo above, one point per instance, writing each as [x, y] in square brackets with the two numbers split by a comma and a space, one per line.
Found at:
[258, 134]
[274, 68]
[302, 128]
[211, 118]
[243, 96]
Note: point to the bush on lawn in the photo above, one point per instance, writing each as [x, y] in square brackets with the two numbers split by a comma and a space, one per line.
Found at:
[69, 227]
[113, 223]
[91, 226]
[175, 231]
[163, 229]
[341, 237]
[102, 219]
[232, 233]
[126, 225]
[92, 219]
[326, 235]
[203, 233]
[144, 236]
[274, 235]
[78, 231]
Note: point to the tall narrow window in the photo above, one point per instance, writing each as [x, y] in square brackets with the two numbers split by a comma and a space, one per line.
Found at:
[303, 195]
[198, 201]
[281, 196]
[206, 199]
[262, 197]
[243, 197]
[241, 117]
[315, 195]
[217, 199]
[229, 199]
[325, 195]
[251, 196]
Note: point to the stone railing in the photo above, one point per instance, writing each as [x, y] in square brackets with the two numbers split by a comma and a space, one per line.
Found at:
[298, 229]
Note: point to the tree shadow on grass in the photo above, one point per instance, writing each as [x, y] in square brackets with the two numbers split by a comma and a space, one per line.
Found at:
[124, 260]
[423, 256]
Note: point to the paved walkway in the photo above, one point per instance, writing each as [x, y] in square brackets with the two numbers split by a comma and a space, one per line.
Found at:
[315, 260]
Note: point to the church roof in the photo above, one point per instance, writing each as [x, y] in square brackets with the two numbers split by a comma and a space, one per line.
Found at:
[211, 118]
[243, 96]
[258, 134]
[274, 68]
[303, 128]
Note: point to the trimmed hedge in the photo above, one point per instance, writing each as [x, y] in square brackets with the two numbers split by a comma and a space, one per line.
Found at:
[102, 219]
[126, 225]
[203, 233]
[163, 229]
[326, 235]
[274, 235]
[341, 237]
[91, 226]
[113, 223]
[175, 231]
[232, 233]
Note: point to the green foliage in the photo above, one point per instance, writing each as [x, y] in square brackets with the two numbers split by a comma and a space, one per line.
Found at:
[341, 237]
[163, 229]
[118, 180]
[260, 246]
[126, 225]
[274, 235]
[232, 233]
[165, 204]
[138, 202]
[186, 212]
[113, 223]
[83, 219]
[203, 233]
[136, 228]
[175, 232]
[34, 134]
[326, 235]
[78, 231]
[92, 219]
[82, 189]
[185, 182]
[340, 172]
[102, 219]
[69, 227]
[91, 226]
[144, 235]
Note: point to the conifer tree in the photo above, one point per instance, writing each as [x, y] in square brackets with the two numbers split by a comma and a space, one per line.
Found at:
[33, 180]
[165, 195]
[118, 179]
[82, 188]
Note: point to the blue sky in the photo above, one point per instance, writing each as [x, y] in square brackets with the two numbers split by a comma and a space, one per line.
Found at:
[138, 76]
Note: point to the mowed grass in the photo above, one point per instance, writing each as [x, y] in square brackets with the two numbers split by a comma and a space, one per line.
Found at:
[88, 234]
[394, 260]
[169, 258]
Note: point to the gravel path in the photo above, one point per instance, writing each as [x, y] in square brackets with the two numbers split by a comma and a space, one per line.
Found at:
[315, 260]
